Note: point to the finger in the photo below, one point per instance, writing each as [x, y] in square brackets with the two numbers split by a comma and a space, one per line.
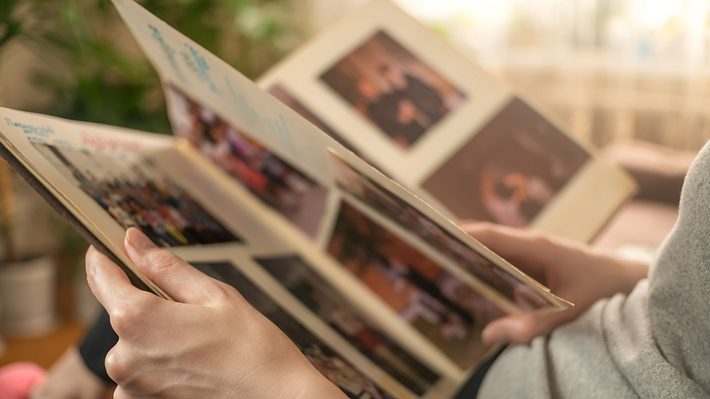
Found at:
[522, 329]
[529, 248]
[176, 277]
[110, 284]
[502, 239]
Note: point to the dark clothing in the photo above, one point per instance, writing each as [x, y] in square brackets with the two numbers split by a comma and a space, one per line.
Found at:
[470, 389]
[425, 98]
[384, 112]
[96, 345]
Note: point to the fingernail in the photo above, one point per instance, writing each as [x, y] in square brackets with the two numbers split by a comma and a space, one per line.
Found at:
[138, 240]
[93, 272]
[89, 264]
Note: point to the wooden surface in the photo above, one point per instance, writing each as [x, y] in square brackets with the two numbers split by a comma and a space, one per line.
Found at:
[43, 350]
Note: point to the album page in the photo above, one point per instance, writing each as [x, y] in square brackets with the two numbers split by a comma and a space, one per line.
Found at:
[420, 110]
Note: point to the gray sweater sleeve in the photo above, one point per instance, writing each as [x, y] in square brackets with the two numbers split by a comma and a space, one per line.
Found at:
[653, 343]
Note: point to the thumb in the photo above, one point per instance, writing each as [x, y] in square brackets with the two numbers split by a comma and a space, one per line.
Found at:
[523, 328]
[176, 277]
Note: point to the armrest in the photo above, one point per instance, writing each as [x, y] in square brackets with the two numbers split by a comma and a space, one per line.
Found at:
[659, 171]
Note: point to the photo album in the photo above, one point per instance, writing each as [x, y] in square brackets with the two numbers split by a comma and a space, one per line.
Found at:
[327, 193]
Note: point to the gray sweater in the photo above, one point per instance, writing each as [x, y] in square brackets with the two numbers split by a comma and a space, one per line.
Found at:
[653, 343]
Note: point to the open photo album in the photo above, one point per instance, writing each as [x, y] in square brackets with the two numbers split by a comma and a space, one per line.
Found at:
[327, 193]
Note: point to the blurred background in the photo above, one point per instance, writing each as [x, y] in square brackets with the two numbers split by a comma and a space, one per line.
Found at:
[613, 72]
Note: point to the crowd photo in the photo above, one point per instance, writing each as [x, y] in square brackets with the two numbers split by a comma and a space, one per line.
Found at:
[510, 170]
[387, 84]
[339, 371]
[331, 307]
[274, 181]
[138, 196]
[432, 300]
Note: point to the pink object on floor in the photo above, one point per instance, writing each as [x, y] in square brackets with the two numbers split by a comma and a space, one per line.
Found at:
[18, 379]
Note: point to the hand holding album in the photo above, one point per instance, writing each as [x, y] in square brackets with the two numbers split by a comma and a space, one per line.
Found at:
[569, 269]
[217, 346]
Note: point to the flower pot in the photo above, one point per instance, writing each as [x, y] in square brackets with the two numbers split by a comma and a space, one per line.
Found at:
[27, 295]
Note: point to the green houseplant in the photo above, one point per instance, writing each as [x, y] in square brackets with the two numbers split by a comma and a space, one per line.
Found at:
[110, 81]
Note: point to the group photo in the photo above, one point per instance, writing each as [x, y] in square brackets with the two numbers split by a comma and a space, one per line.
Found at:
[274, 181]
[137, 196]
[392, 88]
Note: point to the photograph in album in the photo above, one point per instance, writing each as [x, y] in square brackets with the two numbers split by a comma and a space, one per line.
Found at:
[276, 182]
[393, 89]
[326, 360]
[510, 170]
[135, 193]
[421, 292]
[330, 306]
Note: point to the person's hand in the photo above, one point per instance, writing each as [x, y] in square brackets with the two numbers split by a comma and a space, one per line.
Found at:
[573, 271]
[209, 344]
[69, 378]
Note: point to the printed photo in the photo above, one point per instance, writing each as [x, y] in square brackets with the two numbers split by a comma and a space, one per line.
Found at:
[432, 300]
[137, 194]
[381, 200]
[388, 85]
[274, 181]
[338, 370]
[509, 171]
[330, 306]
